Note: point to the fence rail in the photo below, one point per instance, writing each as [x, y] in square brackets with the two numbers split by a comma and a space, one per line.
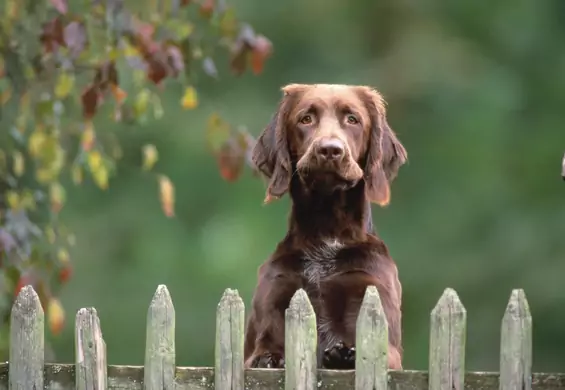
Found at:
[26, 369]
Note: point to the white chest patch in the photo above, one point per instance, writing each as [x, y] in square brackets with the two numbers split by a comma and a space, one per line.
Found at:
[320, 261]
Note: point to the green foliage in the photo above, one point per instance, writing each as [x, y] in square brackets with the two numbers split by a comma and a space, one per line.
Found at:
[104, 59]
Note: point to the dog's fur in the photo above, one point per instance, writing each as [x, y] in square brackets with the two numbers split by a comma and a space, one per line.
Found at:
[330, 249]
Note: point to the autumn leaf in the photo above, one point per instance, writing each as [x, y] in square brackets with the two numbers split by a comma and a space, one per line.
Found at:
[217, 132]
[94, 160]
[19, 163]
[167, 196]
[76, 174]
[63, 256]
[57, 196]
[60, 5]
[150, 156]
[101, 177]
[55, 316]
[64, 85]
[262, 49]
[35, 142]
[189, 99]
[231, 158]
[88, 136]
[90, 100]
[207, 8]
[119, 94]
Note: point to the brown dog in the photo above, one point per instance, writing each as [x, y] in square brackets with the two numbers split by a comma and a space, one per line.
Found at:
[331, 148]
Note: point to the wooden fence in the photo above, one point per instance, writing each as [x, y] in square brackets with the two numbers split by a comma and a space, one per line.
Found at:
[26, 369]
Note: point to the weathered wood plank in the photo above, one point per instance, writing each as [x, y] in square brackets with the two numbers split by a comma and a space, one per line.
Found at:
[300, 344]
[229, 342]
[26, 342]
[447, 343]
[160, 342]
[371, 359]
[516, 344]
[61, 377]
[90, 352]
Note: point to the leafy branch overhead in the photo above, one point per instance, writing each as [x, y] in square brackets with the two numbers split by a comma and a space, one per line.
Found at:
[66, 63]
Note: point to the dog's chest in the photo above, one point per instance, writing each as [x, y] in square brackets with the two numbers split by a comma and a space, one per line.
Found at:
[319, 262]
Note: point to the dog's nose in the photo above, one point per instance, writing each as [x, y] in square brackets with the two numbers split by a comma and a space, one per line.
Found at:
[330, 149]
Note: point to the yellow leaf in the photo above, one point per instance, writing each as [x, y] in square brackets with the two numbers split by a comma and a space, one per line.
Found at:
[167, 196]
[27, 200]
[50, 233]
[35, 142]
[63, 255]
[94, 160]
[55, 316]
[65, 84]
[19, 164]
[57, 196]
[100, 176]
[150, 156]
[88, 136]
[71, 239]
[13, 199]
[189, 99]
[142, 101]
[76, 174]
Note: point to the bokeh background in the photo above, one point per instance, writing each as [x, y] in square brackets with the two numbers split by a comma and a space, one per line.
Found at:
[476, 93]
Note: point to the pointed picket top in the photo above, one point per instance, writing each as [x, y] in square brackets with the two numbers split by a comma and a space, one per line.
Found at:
[159, 372]
[230, 326]
[26, 341]
[300, 304]
[447, 343]
[90, 352]
[371, 359]
[300, 344]
[516, 344]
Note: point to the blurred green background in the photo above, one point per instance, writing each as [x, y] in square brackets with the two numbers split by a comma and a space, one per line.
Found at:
[476, 92]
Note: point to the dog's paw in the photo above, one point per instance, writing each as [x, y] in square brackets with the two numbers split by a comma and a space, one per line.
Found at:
[339, 357]
[268, 360]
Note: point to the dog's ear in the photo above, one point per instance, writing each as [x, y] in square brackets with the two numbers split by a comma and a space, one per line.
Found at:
[270, 154]
[385, 154]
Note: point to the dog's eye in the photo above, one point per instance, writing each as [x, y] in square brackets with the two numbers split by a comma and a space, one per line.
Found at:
[306, 119]
[352, 120]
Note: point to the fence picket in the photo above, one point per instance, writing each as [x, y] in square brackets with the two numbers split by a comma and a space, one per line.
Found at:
[371, 359]
[300, 344]
[229, 342]
[516, 344]
[447, 343]
[160, 358]
[90, 352]
[26, 342]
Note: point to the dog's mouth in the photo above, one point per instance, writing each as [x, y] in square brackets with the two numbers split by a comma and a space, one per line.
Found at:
[328, 175]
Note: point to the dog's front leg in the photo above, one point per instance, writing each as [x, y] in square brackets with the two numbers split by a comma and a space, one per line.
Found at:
[343, 295]
[264, 339]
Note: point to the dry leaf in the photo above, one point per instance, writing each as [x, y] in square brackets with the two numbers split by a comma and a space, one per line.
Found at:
[167, 196]
[150, 156]
[189, 99]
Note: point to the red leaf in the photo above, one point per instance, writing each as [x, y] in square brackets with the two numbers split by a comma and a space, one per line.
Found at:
[156, 71]
[60, 5]
[207, 8]
[262, 49]
[90, 99]
[65, 274]
[231, 158]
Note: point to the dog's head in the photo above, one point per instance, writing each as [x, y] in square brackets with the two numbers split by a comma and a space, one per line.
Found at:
[333, 136]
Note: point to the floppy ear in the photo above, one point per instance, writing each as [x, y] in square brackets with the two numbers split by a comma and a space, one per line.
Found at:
[385, 153]
[270, 154]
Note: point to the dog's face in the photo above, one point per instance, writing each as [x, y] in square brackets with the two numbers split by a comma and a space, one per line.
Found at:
[334, 136]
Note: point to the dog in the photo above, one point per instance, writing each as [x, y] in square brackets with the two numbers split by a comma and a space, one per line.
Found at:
[330, 147]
